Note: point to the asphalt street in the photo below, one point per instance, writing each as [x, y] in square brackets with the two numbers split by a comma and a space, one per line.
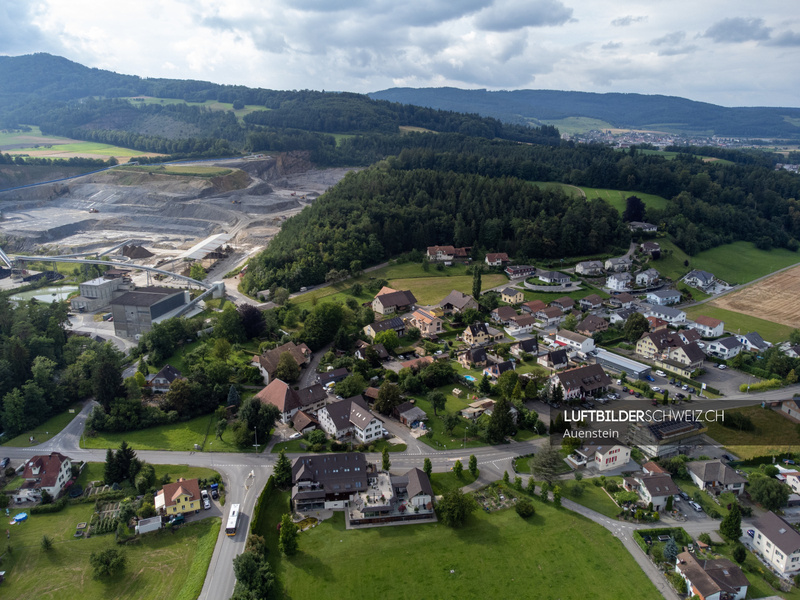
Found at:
[245, 475]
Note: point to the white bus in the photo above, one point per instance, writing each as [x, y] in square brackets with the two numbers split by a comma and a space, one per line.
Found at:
[233, 520]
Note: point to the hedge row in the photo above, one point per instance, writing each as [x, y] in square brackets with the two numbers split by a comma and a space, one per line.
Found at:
[761, 386]
[258, 524]
[43, 509]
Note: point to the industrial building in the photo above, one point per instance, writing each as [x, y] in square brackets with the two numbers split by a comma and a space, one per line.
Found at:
[135, 312]
[618, 364]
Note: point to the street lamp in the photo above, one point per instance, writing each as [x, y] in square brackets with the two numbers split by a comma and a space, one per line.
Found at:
[255, 430]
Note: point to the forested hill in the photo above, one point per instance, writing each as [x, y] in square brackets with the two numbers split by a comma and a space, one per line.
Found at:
[636, 111]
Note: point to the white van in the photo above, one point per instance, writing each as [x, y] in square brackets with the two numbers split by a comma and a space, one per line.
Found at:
[661, 373]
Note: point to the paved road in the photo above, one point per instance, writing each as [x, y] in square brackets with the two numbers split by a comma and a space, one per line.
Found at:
[246, 474]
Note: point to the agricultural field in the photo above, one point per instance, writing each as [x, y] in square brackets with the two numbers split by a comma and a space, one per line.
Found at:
[161, 565]
[572, 125]
[36, 144]
[773, 434]
[488, 556]
[774, 299]
[737, 322]
[617, 198]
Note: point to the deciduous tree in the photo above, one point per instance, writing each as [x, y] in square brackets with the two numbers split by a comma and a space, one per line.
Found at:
[454, 508]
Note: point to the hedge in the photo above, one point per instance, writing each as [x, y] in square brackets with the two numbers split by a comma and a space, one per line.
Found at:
[761, 386]
[259, 512]
[43, 509]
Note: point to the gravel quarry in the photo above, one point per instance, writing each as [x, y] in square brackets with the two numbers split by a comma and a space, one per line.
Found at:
[166, 213]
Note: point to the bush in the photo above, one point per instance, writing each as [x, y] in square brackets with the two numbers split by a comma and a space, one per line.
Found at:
[44, 509]
[767, 384]
[525, 508]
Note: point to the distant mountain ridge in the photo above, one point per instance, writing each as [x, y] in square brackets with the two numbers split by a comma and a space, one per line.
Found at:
[635, 111]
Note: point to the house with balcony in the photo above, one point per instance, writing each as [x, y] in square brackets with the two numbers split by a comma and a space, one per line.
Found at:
[777, 543]
[429, 325]
[708, 327]
[619, 282]
[45, 473]
[715, 476]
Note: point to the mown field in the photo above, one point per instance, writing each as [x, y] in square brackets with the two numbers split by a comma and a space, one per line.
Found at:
[618, 198]
[773, 433]
[35, 143]
[161, 565]
[429, 287]
[555, 554]
[737, 322]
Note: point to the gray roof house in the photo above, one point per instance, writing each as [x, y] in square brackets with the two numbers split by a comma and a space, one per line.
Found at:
[714, 475]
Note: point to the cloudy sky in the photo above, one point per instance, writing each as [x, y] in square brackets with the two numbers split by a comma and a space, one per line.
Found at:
[733, 53]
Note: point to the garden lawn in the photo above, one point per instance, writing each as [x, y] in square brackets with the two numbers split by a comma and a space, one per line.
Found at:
[446, 482]
[432, 290]
[495, 555]
[96, 471]
[618, 198]
[548, 297]
[161, 565]
[734, 321]
[593, 497]
[46, 430]
[773, 434]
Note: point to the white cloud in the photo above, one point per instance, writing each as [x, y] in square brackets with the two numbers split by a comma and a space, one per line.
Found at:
[738, 29]
[628, 20]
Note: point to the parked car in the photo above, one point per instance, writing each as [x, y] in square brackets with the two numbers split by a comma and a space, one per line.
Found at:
[695, 506]
[177, 520]
[661, 373]
[727, 457]
[649, 378]
[685, 387]
[637, 395]
[722, 367]
[654, 402]
[656, 389]
[680, 396]
[676, 498]
[214, 491]
[206, 499]
[788, 461]
[4, 462]
[751, 533]
[295, 435]
[684, 495]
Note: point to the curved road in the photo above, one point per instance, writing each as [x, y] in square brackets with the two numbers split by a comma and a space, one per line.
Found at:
[246, 474]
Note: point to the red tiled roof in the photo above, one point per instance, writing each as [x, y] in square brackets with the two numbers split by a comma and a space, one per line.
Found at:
[46, 468]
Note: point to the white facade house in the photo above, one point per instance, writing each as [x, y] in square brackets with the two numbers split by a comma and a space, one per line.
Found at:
[46, 473]
[708, 327]
[618, 265]
[715, 475]
[673, 316]
[664, 297]
[619, 282]
[575, 341]
[589, 267]
[603, 457]
[777, 542]
[725, 348]
[647, 277]
[350, 418]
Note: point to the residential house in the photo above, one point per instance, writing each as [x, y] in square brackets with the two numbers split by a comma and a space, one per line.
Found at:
[447, 254]
[683, 359]
[717, 579]
[533, 306]
[655, 324]
[652, 488]
[753, 342]
[350, 418]
[651, 248]
[621, 315]
[689, 335]
[664, 297]
[793, 477]
[666, 437]
[457, 302]
[565, 303]
[619, 282]
[389, 301]
[512, 296]
[45, 473]
[429, 325]
[673, 316]
[556, 359]
[520, 324]
[328, 481]
[529, 346]
[503, 314]
[602, 457]
[653, 343]
[652, 468]
[477, 408]
[591, 302]
[267, 362]
[377, 327]
[494, 370]
[574, 341]
[791, 408]
[589, 268]
[699, 279]
[725, 348]
[618, 265]
[590, 380]
[417, 364]
[777, 542]
[623, 300]
[793, 351]
[708, 326]
[715, 476]
[182, 496]
[473, 356]
[312, 398]
[476, 334]
[304, 422]
[281, 396]
[161, 381]
[647, 277]
[362, 347]
[495, 335]
[592, 324]
[333, 376]
[642, 227]
[554, 277]
[550, 316]
[496, 259]
[519, 271]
